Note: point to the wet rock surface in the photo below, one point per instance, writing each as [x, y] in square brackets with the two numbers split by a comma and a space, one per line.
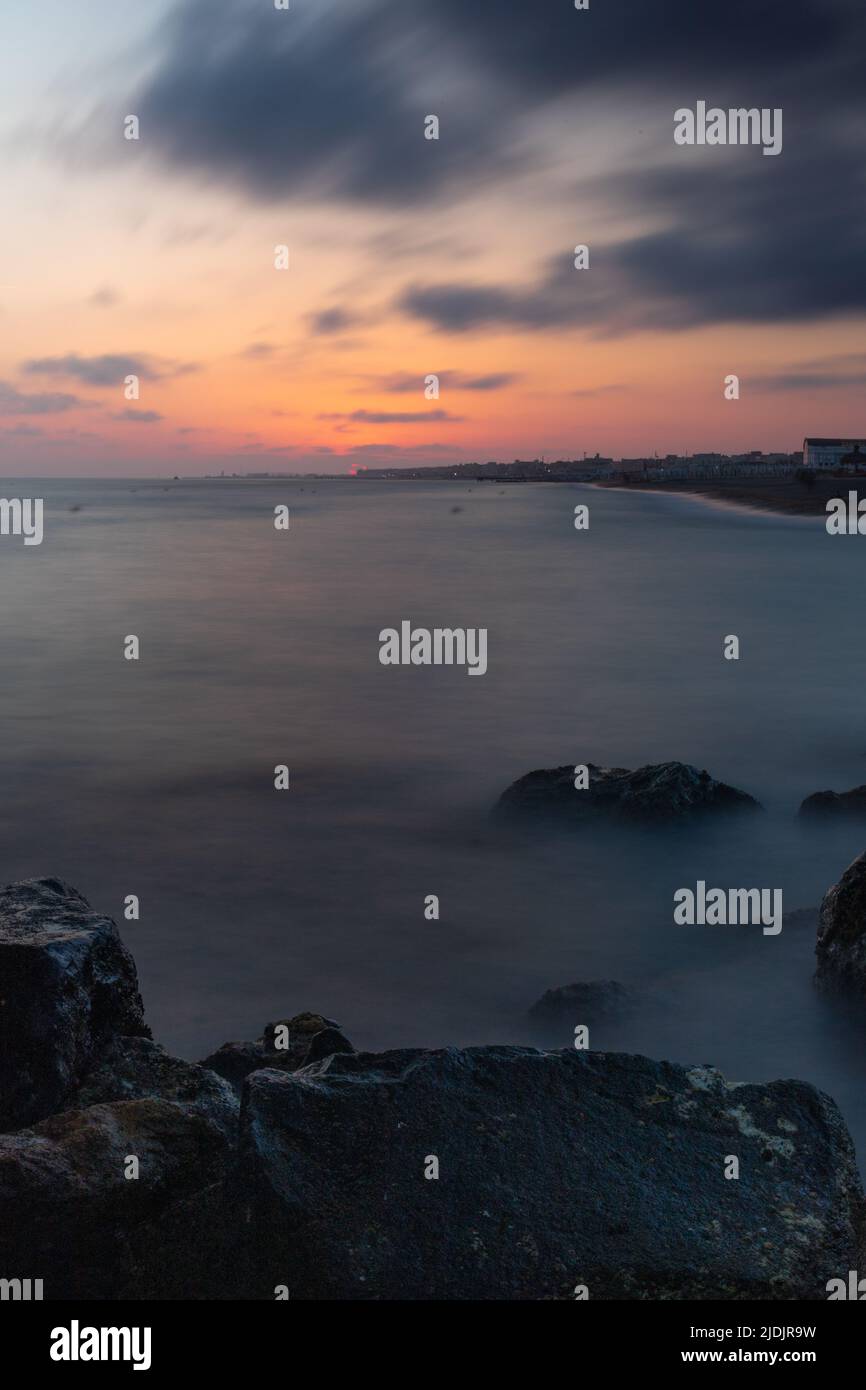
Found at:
[659, 793]
[587, 1001]
[68, 986]
[286, 1045]
[476, 1174]
[850, 805]
[628, 1153]
[841, 946]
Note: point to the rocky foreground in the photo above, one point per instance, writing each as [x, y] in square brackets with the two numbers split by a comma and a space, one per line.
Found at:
[294, 1166]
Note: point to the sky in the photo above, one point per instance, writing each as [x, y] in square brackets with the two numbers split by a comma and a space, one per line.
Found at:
[408, 257]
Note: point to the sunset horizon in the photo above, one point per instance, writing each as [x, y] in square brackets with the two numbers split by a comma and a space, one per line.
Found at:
[411, 251]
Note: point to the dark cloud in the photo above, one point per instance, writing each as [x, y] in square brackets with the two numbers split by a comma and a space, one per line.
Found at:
[15, 402]
[334, 98]
[404, 383]
[548, 45]
[327, 101]
[805, 381]
[560, 298]
[138, 417]
[401, 450]
[740, 239]
[328, 321]
[108, 370]
[256, 351]
[404, 417]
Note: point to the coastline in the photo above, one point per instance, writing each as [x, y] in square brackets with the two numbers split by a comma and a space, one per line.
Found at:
[784, 496]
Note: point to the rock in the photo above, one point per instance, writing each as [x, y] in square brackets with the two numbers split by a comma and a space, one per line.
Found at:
[801, 918]
[661, 792]
[310, 1037]
[137, 1069]
[827, 805]
[555, 1170]
[586, 1002]
[297, 1030]
[326, 1044]
[190, 1250]
[67, 1209]
[841, 947]
[68, 986]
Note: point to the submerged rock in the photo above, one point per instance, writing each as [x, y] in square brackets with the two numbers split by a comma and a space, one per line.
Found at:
[68, 987]
[584, 1002]
[286, 1044]
[841, 946]
[835, 805]
[554, 1170]
[660, 792]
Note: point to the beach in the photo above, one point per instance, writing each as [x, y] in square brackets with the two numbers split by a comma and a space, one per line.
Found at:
[788, 495]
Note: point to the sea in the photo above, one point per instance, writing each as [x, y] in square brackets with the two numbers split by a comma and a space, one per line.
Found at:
[259, 648]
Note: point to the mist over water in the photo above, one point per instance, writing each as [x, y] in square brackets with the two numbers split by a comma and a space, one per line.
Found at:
[261, 647]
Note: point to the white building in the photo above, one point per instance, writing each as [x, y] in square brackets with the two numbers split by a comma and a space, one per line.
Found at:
[829, 453]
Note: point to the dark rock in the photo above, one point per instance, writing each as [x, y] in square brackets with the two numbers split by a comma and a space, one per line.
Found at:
[137, 1069]
[191, 1249]
[841, 947]
[326, 1044]
[662, 792]
[829, 805]
[67, 1209]
[585, 1002]
[556, 1169]
[68, 986]
[236, 1060]
[801, 919]
[296, 1031]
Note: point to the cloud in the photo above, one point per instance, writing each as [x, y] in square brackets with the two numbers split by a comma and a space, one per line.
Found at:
[833, 373]
[560, 297]
[104, 298]
[107, 370]
[328, 321]
[15, 402]
[405, 383]
[331, 101]
[334, 98]
[138, 417]
[402, 450]
[805, 381]
[407, 417]
[649, 42]
[733, 242]
[257, 351]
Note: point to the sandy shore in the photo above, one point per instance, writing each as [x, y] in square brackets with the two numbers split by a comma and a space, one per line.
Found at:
[786, 495]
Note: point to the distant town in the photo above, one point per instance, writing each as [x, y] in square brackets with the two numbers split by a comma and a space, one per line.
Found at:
[818, 456]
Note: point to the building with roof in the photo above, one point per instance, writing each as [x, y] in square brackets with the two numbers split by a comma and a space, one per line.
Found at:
[829, 453]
